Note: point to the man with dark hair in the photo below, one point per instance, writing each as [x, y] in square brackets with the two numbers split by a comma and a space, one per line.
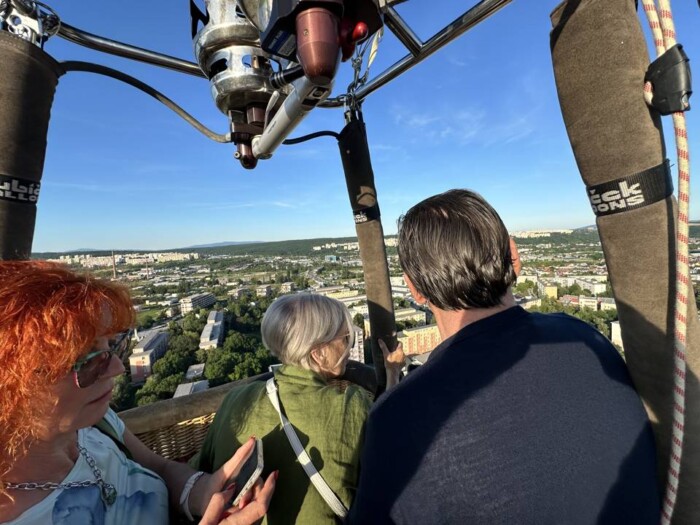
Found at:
[516, 417]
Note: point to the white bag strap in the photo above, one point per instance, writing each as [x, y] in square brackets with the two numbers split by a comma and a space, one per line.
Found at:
[314, 475]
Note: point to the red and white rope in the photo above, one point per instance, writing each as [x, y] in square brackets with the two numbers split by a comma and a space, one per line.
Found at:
[664, 34]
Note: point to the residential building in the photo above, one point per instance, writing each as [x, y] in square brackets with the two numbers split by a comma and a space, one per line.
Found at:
[529, 302]
[185, 389]
[337, 292]
[410, 314]
[195, 372]
[141, 366]
[522, 278]
[146, 352]
[348, 301]
[547, 289]
[607, 303]
[287, 287]
[593, 286]
[328, 290]
[213, 332]
[357, 352]
[419, 340]
[195, 302]
[569, 300]
[616, 334]
[588, 302]
[362, 309]
[264, 290]
[238, 293]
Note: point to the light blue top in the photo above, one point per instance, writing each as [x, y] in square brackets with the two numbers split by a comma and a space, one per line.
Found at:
[142, 496]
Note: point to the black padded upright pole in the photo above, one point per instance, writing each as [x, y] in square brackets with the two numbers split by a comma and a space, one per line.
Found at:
[359, 177]
[28, 79]
[600, 58]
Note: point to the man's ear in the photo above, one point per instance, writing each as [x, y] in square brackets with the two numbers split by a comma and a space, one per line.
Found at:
[419, 297]
[515, 257]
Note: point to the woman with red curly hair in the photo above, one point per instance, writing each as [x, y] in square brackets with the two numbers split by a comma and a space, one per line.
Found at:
[61, 336]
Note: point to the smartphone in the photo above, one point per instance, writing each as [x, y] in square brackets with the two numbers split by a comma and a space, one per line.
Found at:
[248, 475]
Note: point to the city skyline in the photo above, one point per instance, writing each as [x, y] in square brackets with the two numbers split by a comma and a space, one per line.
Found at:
[122, 172]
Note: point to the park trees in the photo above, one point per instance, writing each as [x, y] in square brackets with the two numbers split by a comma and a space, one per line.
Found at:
[240, 356]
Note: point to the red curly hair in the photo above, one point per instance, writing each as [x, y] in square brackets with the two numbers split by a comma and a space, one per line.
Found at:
[49, 317]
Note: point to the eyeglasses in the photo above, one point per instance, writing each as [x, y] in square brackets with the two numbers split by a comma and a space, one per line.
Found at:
[89, 368]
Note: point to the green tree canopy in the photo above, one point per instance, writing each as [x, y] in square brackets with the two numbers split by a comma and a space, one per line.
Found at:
[124, 393]
[156, 389]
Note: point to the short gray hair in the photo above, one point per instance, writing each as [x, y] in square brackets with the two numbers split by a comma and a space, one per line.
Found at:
[294, 325]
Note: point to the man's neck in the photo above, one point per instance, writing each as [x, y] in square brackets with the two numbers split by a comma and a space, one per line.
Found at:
[450, 322]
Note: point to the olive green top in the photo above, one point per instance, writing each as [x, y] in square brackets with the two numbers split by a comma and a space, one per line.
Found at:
[329, 422]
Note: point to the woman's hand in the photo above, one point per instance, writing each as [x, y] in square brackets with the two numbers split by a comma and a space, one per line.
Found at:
[211, 484]
[252, 508]
[393, 363]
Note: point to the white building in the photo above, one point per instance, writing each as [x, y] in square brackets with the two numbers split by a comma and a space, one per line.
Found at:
[357, 352]
[410, 314]
[287, 287]
[349, 301]
[195, 302]
[147, 351]
[213, 332]
[195, 371]
[241, 292]
[264, 290]
[523, 278]
[616, 334]
[594, 287]
[588, 302]
[607, 303]
[185, 389]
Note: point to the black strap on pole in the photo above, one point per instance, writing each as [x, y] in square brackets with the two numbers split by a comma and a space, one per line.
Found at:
[359, 177]
[27, 84]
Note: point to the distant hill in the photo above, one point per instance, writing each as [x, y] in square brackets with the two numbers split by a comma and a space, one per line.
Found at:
[295, 247]
[218, 244]
[585, 235]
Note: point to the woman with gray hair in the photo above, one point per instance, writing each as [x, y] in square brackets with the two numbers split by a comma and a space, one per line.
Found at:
[312, 336]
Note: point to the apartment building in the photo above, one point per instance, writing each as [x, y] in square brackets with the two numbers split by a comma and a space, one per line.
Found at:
[195, 302]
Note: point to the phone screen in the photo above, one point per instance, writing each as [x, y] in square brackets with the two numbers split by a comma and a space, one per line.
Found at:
[248, 475]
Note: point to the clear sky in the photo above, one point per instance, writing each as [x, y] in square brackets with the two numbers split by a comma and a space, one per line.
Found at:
[124, 172]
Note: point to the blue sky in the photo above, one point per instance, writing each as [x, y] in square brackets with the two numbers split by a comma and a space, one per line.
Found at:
[124, 172]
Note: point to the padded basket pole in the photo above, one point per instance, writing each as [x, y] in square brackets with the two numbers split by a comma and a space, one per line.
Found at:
[359, 177]
[27, 85]
[600, 58]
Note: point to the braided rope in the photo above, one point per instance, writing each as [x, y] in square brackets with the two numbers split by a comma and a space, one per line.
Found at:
[664, 34]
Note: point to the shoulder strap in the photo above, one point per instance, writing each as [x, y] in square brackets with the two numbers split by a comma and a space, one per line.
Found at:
[107, 429]
[314, 475]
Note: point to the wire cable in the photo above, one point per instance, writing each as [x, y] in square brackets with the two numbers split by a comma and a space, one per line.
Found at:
[89, 67]
[311, 136]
